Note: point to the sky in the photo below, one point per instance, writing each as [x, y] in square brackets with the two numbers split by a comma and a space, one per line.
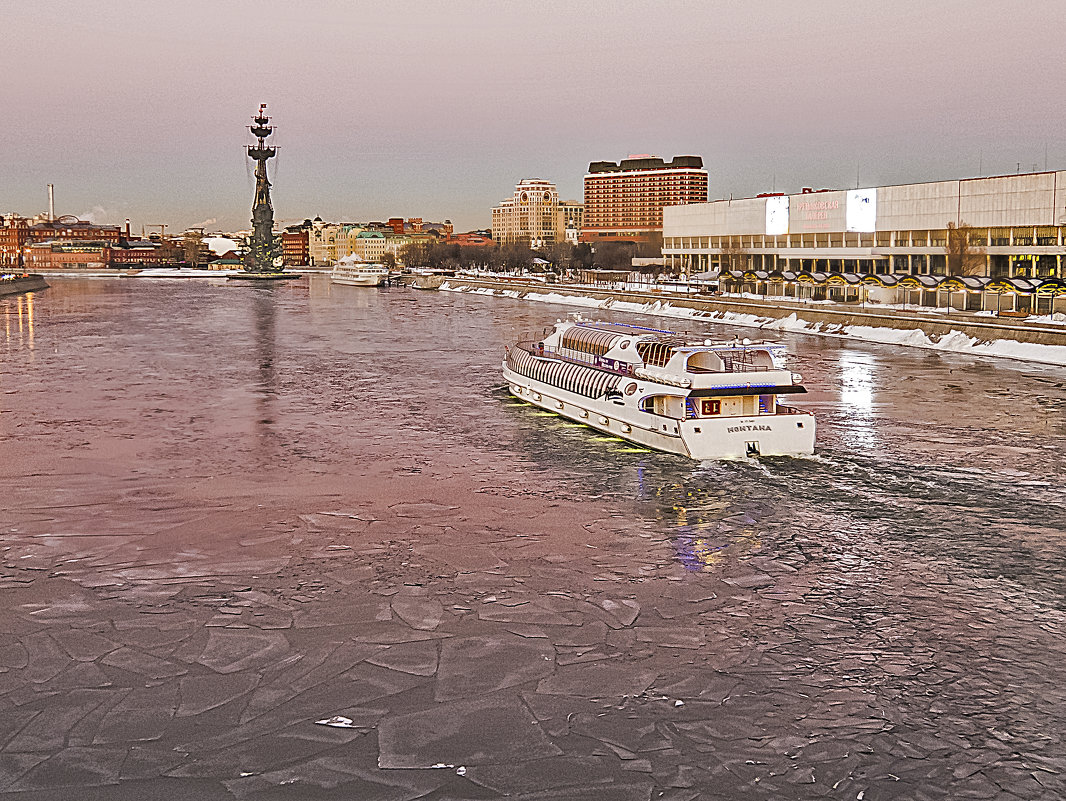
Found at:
[139, 108]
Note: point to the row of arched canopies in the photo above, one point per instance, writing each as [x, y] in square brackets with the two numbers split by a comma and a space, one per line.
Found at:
[963, 292]
[951, 283]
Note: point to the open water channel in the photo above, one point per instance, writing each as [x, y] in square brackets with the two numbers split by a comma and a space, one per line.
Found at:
[231, 511]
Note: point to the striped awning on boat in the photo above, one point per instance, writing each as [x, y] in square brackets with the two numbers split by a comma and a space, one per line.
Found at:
[576, 378]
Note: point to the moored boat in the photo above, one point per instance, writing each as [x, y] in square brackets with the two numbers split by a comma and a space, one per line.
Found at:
[358, 273]
[429, 279]
[17, 283]
[694, 397]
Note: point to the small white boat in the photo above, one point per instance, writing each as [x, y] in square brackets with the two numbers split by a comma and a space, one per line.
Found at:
[698, 398]
[430, 279]
[358, 273]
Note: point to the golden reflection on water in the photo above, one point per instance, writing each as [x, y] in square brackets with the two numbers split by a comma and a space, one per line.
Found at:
[699, 527]
[19, 323]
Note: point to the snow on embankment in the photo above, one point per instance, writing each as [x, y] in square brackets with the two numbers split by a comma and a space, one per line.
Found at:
[953, 340]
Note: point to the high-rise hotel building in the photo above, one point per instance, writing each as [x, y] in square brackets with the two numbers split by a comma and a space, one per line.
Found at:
[624, 201]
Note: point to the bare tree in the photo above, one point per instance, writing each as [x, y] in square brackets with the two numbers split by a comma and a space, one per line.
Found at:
[517, 257]
[614, 255]
[193, 246]
[963, 255]
[415, 254]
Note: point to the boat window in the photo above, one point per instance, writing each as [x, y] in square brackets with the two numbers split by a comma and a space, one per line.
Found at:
[710, 406]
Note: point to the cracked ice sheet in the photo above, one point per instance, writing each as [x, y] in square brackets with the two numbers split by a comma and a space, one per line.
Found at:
[476, 665]
[338, 772]
[230, 651]
[535, 775]
[598, 681]
[495, 729]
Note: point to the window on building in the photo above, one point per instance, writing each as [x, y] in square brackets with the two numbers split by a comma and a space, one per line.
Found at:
[1047, 236]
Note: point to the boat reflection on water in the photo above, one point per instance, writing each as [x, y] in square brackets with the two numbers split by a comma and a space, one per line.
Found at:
[705, 549]
[704, 523]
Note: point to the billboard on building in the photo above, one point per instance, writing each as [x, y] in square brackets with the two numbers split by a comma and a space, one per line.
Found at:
[862, 210]
[776, 215]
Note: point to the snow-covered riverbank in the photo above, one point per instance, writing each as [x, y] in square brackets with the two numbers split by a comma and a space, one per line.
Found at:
[984, 337]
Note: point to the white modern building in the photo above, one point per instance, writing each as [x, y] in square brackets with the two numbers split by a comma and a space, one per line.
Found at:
[1010, 226]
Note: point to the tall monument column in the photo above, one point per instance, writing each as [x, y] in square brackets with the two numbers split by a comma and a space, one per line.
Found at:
[264, 249]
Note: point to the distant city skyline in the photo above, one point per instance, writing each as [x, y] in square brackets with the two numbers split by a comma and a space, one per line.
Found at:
[139, 109]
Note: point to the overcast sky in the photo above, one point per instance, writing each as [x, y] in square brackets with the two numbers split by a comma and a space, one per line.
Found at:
[138, 108]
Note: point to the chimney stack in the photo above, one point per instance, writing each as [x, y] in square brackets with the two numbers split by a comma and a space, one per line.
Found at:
[127, 228]
[51, 204]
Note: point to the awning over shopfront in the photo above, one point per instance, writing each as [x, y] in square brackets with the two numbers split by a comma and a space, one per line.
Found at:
[843, 279]
[964, 283]
[887, 281]
[918, 282]
[1017, 285]
[1052, 286]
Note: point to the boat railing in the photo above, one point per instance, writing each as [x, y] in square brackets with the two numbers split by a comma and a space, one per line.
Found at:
[730, 367]
[744, 367]
[625, 368]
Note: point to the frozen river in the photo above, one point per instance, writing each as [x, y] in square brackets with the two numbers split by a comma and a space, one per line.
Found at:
[231, 511]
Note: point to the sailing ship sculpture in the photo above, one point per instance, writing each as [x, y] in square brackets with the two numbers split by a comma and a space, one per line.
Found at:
[264, 251]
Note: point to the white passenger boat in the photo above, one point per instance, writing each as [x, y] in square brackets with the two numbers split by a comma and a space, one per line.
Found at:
[697, 398]
[358, 273]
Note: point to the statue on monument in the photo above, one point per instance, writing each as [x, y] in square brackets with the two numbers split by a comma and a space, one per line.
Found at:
[264, 249]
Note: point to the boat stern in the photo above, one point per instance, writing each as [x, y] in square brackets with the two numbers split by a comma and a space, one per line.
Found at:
[743, 437]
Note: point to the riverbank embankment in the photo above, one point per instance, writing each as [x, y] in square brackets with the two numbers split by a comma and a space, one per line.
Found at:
[940, 330]
[22, 283]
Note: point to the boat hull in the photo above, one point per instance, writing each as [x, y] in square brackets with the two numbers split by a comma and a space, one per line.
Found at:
[369, 280]
[781, 434]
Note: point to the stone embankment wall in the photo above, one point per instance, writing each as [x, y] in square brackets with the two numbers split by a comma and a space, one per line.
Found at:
[29, 283]
[820, 318]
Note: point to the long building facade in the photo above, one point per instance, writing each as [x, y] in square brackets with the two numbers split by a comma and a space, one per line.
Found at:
[624, 201]
[18, 233]
[1011, 226]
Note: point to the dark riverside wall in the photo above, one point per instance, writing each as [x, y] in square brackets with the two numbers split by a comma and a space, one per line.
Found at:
[28, 283]
[822, 319]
